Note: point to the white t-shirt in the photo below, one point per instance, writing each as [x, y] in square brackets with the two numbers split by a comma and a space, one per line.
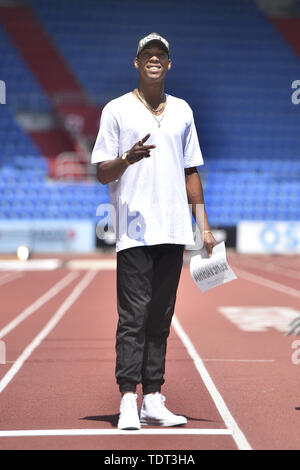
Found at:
[149, 200]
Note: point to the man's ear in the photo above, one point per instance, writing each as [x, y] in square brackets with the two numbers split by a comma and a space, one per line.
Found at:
[169, 64]
[136, 63]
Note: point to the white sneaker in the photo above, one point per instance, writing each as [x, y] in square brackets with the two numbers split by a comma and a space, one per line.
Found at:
[153, 411]
[129, 417]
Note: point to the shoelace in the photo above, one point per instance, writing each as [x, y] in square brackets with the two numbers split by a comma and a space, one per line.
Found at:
[129, 400]
[158, 399]
[162, 399]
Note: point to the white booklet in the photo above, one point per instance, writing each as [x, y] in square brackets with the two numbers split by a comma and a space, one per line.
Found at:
[211, 272]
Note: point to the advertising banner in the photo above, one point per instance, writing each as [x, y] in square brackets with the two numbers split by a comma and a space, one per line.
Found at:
[268, 237]
[47, 236]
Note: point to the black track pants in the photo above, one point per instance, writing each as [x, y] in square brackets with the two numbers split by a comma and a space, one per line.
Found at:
[147, 281]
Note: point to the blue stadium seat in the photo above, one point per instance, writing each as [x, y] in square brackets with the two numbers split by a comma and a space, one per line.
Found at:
[248, 128]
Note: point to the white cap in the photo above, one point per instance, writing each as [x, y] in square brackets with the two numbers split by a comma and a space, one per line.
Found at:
[152, 37]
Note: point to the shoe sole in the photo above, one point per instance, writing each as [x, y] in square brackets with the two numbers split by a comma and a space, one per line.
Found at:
[162, 423]
[129, 424]
[129, 428]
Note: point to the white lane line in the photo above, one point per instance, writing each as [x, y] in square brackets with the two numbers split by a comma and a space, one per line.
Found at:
[287, 261]
[89, 264]
[221, 406]
[69, 301]
[9, 277]
[52, 292]
[30, 265]
[5, 275]
[238, 360]
[113, 432]
[262, 361]
[267, 282]
[270, 268]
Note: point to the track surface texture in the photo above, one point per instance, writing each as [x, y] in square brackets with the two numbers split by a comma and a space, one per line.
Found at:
[231, 370]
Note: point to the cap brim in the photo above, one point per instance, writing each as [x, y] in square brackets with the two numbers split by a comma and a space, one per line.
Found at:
[158, 42]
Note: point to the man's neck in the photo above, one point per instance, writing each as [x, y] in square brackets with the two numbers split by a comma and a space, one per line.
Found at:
[152, 93]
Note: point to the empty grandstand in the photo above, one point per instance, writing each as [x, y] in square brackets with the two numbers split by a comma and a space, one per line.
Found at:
[230, 62]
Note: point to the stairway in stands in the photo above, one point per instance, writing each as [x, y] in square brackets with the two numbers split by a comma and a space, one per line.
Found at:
[289, 28]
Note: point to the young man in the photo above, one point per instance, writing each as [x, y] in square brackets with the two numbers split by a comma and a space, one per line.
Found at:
[151, 184]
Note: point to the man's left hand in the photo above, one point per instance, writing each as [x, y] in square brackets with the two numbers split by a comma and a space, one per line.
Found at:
[209, 242]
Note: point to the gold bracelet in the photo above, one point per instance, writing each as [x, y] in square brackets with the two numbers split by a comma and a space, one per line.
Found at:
[206, 231]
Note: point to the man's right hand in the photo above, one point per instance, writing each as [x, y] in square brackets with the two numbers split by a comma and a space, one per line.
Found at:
[112, 170]
[139, 150]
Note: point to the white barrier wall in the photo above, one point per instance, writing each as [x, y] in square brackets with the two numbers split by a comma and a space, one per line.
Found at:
[268, 237]
[46, 236]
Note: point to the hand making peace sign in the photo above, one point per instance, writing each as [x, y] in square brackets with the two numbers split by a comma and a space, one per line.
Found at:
[139, 150]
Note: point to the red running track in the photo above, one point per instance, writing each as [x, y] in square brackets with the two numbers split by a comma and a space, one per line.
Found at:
[230, 369]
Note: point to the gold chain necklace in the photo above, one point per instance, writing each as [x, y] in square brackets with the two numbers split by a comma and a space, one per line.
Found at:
[158, 120]
[156, 111]
[152, 110]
